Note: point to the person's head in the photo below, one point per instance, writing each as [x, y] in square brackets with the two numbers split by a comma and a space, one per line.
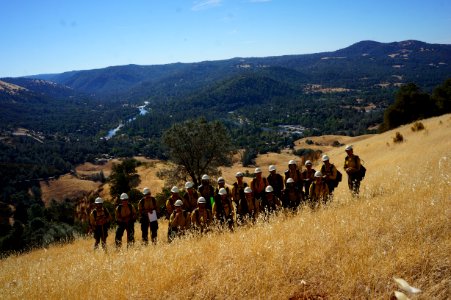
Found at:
[325, 160]
[146, 192]
[124, 198]
[205, 179]
[178, 205]
[290, 183]
[349, 150]
[248, 193]
[221, 182]
[272, 169]
[258, 173]
[269, 192]
[189, 186]
[201, 203]
[223, 193]
[308, 164]
[174, 192]
[239, 177]
[318, 176]
[292, 165]
[98, 202]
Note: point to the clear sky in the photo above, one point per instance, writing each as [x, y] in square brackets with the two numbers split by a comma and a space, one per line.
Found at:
[53, 36]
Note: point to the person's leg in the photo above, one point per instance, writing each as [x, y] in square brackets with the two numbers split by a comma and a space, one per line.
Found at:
[144, 230]
[119, 233]
[154, 231]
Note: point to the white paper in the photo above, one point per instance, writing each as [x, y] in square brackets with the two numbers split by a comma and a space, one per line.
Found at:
[152, 216]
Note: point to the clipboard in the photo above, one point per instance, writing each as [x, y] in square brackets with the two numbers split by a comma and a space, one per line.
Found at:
[152, 216]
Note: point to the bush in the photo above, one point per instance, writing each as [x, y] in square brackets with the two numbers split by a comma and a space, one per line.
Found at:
[417, 126]
[337, 144]
[309, 142]
[398, 138]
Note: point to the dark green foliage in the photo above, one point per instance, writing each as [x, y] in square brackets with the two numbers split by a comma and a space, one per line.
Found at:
[308, 153]
[248, 157]
[442, 97]
[412, 104]
[199, 146]
[35, 225]
[123, 177]
[337, 144]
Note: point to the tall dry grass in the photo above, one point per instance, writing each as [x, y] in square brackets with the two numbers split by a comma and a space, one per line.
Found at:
[351, 249]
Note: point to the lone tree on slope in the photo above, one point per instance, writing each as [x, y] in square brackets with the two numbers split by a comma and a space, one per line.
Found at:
[199, 147]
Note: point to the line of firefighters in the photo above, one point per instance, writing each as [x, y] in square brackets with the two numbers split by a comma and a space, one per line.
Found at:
[202, 209]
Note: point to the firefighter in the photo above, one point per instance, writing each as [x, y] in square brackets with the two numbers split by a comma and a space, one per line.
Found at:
[201, 217]
[100, 220]
[319, 191]
[207, 191]
[353, 168]
[294, 173]
[170, 203]
[148, 210]
[329, 172]
[258, 185]
[291, 196]
[125, 218]
[275, 180]
[271, 202]
[221, 184]
[223, 210]
[248, 207]
[238, 189]
[308, 176]
[179, 221]
[190, 197]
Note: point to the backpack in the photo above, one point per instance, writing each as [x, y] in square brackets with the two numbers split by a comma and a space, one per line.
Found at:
[362, 172]
[130, 207]
[339, 178]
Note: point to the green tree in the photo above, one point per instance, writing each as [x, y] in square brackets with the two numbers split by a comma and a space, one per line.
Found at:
[123, 177]
[200, 147]
[442, 97]
[411, 104]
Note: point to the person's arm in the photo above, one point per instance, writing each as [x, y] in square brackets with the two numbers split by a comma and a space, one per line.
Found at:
[140, 206]
[333, 174]
[169, 207]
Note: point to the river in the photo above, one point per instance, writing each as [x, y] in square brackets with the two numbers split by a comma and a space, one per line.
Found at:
[142, 112]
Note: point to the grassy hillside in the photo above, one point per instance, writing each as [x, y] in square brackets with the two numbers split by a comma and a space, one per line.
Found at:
[349, 250]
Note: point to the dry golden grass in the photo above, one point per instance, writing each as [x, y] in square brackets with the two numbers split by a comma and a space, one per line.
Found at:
[67, 186]
[349, 250]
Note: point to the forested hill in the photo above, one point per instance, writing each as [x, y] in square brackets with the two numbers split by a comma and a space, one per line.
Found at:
[360, 65]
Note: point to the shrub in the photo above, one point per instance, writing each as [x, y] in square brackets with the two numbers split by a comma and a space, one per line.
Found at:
[337, 144]
[309, 142]
[417, 126]
[398, 138]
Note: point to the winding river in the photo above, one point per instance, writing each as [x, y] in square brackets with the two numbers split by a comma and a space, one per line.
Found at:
[142, 112]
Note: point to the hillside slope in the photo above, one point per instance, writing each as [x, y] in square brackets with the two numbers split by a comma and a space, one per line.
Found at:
[348, 250]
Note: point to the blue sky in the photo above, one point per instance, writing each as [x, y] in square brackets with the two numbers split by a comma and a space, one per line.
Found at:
[53, 36]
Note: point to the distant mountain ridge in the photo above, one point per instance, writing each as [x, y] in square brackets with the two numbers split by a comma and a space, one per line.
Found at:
[376, 62]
